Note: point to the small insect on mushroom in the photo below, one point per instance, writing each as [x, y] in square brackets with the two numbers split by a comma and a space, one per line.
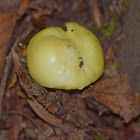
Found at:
[60, 59]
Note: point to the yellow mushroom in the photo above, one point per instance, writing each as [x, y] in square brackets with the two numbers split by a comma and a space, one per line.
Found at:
[60, 59]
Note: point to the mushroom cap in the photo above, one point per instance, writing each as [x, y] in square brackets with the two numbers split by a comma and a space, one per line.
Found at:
[60, 59]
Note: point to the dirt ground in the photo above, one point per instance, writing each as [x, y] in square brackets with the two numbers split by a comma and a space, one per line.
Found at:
[129, 49]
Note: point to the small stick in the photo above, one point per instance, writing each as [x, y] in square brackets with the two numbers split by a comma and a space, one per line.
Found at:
[32, 120]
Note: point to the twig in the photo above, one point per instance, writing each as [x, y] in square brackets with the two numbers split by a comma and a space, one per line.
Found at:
[4, 79]
[105, 10]
[32, 120]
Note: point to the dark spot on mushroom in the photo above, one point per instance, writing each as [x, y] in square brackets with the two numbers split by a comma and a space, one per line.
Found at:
[88, 34]
[80, 58]
[81, 64]
[72, 30]
[69, 46]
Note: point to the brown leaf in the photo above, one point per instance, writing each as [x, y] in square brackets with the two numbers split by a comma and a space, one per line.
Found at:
[116, 93]
[12, 79]
[4, 79]
[13, 104]
[7, 22]
[77, 107]
[14, 132]
[55, 6]
[45, 115]
[23, 7]
[38, 17]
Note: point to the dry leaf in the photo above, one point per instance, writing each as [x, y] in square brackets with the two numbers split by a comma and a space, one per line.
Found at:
[12, 79]
[23, 7]
[55, 6]
[7, 22]
[13, 104]
[4, 79]
[45, 115]
[116, 93]
[14, 132]
[76, 107]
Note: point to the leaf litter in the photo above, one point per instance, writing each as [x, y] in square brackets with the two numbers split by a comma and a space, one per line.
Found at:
[61, 114]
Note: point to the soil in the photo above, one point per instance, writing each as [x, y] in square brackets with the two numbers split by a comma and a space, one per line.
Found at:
[129, 47]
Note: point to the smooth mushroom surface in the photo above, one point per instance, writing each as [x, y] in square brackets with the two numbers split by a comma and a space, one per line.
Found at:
[61, 59]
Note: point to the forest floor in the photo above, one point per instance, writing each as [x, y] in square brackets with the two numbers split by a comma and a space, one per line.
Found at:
[105, 110]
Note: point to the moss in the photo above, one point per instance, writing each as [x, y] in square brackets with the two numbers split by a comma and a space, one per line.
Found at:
[107, 31]
[126, 3]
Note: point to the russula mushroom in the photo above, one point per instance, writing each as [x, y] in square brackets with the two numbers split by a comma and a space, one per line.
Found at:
[60, 59]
